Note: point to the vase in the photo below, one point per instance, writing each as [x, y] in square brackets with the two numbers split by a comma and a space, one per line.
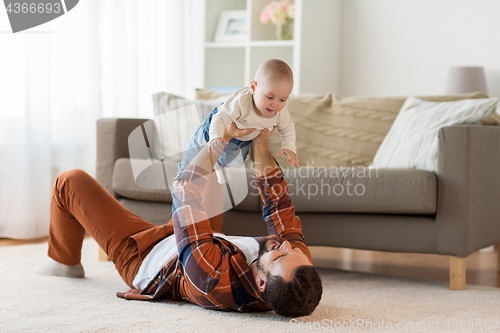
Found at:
[284, 31]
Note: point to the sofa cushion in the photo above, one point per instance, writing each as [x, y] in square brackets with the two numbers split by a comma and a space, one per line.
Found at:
[362, 190]
[157, 213]
[150, 185]
[176, 119]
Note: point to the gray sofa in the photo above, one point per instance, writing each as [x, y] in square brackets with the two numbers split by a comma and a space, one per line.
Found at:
[452, 212]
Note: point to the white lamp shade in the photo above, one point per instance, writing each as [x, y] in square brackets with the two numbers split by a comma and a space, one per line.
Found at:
[462, 80]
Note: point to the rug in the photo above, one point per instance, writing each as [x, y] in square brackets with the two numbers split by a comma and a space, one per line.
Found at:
[351, 302]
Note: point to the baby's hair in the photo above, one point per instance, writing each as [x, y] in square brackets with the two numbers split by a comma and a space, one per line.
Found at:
[275, 67]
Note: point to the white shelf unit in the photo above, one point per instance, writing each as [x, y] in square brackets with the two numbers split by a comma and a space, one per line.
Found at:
[313, 54]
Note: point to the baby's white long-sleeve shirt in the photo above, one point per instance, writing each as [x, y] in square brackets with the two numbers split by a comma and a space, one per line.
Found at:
[239, 109]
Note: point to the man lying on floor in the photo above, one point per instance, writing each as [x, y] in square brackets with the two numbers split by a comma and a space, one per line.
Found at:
[184, 259]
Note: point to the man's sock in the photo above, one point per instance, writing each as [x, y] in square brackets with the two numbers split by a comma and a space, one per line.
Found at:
[52, 267]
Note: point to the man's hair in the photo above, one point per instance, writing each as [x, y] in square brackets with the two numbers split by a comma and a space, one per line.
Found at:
[296, 298]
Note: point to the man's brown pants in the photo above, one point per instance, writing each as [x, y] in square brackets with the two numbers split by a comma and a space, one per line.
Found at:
[80, 203]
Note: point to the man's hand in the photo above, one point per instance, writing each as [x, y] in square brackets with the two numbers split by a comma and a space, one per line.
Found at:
[216, 146]
[292, 157]
[263, 137]
[232, 131]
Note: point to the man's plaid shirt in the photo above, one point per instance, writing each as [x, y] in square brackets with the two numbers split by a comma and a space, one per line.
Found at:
[210, 271]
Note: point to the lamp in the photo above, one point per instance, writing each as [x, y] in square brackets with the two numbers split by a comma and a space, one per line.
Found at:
[462, 80]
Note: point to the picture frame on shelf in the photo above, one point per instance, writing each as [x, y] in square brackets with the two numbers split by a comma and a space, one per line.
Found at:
[232, 26]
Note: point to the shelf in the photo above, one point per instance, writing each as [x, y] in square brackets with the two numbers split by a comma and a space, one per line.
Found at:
[255, 43]
[313, 54]
[225, 44]
[273, 43]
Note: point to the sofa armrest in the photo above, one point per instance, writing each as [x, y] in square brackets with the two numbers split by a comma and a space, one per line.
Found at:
[112, 144]
[468, 211]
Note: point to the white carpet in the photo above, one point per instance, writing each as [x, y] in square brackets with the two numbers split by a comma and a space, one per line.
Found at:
[29, 302]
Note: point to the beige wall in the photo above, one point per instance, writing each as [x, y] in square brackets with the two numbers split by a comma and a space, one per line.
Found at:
[404, 47]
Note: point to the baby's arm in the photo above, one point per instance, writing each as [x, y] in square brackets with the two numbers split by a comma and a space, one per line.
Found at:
[286, 128]
[219, 122]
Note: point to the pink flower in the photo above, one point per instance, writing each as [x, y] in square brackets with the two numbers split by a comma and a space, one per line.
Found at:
[264, 16]
[284, 4]
[277, 12]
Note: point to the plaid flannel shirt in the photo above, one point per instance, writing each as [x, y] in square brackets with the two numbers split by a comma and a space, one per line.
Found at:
[210, 271]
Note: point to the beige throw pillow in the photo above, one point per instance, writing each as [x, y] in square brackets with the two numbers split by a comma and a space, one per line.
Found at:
[176, 119]
[412, 141]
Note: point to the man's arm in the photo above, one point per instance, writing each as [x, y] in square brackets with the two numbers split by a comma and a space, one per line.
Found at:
[193, 233]
[187, 206]
[278, 211]
[197, 252]
[264, 161]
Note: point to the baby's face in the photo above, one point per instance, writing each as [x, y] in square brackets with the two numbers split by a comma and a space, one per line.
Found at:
[270, 95]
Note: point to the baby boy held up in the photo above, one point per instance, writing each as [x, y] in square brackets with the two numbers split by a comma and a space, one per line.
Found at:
[262, 105]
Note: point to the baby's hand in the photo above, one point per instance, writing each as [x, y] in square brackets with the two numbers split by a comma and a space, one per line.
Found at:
[292, 157]
[216, 146]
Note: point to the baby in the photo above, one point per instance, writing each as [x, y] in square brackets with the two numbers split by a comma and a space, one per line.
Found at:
[260, 106]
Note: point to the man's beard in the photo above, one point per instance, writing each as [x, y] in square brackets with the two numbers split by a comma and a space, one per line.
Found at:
[263, 249]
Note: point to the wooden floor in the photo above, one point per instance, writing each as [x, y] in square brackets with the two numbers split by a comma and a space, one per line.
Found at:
[481, 267]
[11, 242]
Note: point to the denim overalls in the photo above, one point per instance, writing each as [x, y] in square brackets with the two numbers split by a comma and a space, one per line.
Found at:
[200, 139]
